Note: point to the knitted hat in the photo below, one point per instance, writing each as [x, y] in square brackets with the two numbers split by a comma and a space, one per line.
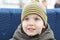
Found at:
[34, 8]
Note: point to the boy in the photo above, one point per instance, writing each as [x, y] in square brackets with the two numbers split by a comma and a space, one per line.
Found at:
[33, 24]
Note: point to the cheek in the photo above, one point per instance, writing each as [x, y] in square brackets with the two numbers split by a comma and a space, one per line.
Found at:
[39, 28]
[40, 25]
[24, 25]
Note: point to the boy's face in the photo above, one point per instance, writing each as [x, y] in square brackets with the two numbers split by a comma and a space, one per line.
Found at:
[32, 25]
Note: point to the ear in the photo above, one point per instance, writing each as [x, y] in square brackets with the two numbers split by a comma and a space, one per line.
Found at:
[43, 26]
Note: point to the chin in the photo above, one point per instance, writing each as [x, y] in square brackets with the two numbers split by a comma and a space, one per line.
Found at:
[30, 34]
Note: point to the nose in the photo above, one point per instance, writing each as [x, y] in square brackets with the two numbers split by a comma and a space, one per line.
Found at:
[31, 22]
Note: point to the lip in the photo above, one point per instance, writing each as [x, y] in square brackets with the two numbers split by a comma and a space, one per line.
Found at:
[30, 29]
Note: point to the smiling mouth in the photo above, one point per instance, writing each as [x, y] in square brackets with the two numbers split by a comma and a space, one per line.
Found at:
[31, 29]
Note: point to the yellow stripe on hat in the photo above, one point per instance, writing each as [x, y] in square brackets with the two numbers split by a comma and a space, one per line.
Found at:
[34, 8]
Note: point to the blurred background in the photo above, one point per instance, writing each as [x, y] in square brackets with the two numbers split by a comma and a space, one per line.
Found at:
[20, 3]
[10, 14]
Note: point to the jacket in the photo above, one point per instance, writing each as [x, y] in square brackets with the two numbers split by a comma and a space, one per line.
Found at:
[46, 35]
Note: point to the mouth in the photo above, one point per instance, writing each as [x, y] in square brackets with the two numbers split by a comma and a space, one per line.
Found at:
[31, 29]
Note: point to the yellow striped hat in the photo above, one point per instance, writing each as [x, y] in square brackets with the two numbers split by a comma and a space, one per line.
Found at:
[34, 8]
